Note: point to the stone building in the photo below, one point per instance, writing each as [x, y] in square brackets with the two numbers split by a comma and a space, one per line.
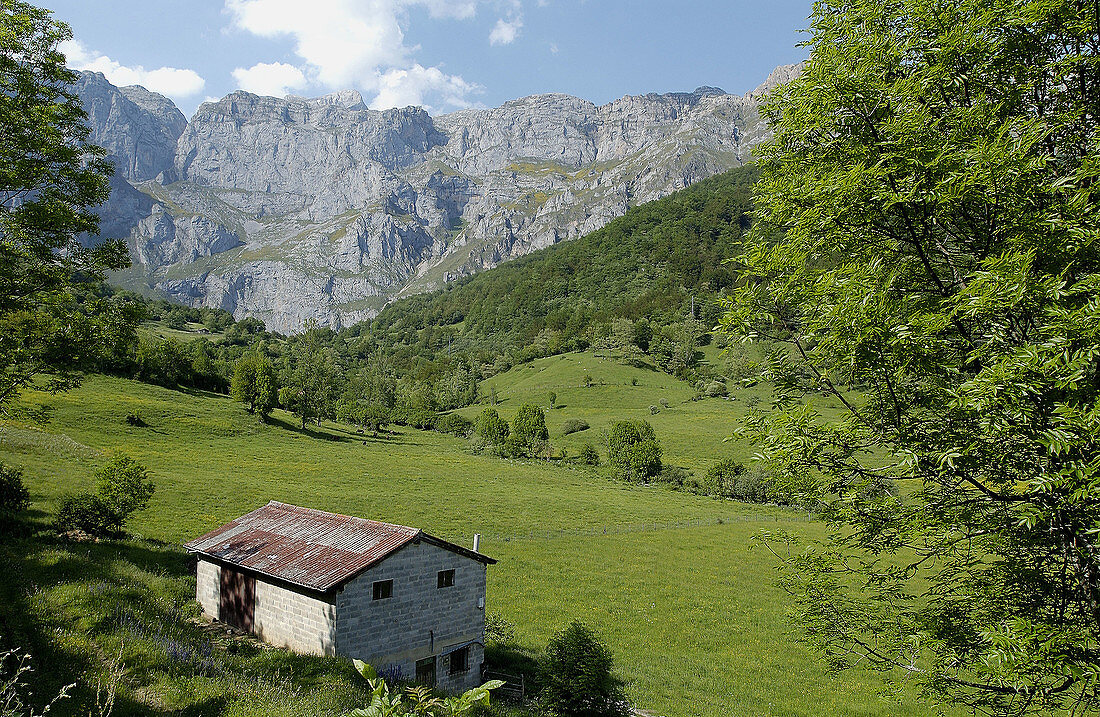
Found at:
[410, 604]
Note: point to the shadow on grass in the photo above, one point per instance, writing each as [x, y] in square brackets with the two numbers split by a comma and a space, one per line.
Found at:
[311, 431]
[514, 661]
[77, 608]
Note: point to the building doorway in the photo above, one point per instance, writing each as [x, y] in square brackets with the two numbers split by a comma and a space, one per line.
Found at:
[237, 599]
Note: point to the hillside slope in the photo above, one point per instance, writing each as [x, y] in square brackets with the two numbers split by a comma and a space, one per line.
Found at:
[656, 265]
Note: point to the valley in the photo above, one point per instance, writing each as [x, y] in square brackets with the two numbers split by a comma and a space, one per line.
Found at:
[678, 584]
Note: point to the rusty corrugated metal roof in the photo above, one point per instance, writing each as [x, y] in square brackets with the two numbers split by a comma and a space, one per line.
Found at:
[308, 547]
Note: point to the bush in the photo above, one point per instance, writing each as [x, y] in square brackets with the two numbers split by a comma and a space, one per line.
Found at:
[14, 497]
[722, 476]
[577, 678]
[663, 402]
[491, 428]
[85, 511]
[716, 389]
[123, 487]
[677, 477]
[730, 479]
[574, 425]
[754, 487]
[634, 451]
[589, 455]
[498, 631]
[454, 423]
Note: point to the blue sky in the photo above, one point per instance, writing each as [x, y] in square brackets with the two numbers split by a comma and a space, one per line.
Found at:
[442, 54]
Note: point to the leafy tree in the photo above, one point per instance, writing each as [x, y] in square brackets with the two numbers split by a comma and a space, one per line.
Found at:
[370, 396]
[255, 383]
[125, 487]
[529, 431]
[51, 180]
[163, 361]
[491, 428]
[310, 379]
[928, 215]
[577, 677]
[634, 451]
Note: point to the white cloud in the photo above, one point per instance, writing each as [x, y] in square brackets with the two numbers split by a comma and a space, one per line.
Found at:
[276, 79]
[172, 81]
[404, 87]
[359, 43]
[460, 9]
[505, 32]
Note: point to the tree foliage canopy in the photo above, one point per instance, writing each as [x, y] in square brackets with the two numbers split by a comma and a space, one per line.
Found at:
[577, 676]
[51, 181]
[927, 222]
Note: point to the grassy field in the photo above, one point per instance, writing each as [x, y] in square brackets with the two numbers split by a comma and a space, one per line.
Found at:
[691, 613]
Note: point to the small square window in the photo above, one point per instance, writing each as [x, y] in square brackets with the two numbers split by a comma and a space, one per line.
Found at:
[383, 589]
[446, 578]
[460, 661]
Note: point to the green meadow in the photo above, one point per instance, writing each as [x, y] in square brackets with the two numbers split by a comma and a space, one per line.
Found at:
[675, 583]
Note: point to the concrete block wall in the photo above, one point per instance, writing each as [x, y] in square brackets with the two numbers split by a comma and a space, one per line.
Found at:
[208, 587]
[421, 619]
[301, 622]
[280, 616]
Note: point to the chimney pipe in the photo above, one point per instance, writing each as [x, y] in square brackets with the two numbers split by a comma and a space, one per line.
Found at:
[477, 542]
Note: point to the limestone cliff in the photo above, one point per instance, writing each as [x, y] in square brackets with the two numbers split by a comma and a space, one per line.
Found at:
[295, 209]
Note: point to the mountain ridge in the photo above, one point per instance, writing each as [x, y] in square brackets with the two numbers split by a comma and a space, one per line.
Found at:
[295, 210]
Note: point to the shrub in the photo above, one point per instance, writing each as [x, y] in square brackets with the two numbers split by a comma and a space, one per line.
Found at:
[754, 487]
[577, 677]
[491, 428]
[722, 476]
[653, 410]
[454, 423]
[634, 451]
[125, 487]
[14, 497]
[677, 477]
[574, 425]
[133, 418]
[122, 488]
[84, 511]
[514, 446]
[498, 631]
[663, 402]
[589, 455]
[716, 389]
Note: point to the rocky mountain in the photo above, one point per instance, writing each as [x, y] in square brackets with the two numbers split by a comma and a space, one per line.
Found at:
[321, 209]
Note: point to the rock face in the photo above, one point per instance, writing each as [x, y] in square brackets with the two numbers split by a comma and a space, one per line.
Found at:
[297, 209]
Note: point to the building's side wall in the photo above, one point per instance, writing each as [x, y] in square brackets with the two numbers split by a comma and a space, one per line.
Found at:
[281, 616]
[420, 619]
[208, 587]
[301, 622]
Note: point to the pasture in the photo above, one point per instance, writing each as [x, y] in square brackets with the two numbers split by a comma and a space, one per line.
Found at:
[674, 583]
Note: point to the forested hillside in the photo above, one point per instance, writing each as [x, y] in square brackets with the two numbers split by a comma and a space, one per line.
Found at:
[655, 265]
